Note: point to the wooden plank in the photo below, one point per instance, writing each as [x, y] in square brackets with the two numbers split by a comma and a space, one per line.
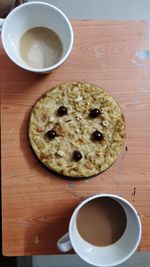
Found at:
[37, 205]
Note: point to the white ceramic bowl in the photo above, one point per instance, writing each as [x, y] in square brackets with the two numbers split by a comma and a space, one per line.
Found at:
[30, 15]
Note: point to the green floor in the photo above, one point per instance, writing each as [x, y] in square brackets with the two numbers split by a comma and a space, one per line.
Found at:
[104, 9]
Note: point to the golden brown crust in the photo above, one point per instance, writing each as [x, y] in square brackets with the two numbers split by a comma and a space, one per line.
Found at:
[74, 130]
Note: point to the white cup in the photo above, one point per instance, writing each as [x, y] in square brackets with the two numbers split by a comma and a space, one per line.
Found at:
[106, 256]
[30, 15]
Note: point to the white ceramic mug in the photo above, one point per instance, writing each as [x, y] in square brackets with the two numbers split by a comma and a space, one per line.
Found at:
[30, 15]
[106, 256]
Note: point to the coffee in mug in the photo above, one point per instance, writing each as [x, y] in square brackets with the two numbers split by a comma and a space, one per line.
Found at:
[101, 221]
[37, 36]
[104, 230]
[40, 47]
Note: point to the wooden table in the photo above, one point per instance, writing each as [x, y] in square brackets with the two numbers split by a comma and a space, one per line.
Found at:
[37, 205]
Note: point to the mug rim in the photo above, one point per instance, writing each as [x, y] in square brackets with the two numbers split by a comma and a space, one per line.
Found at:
[109, 196]
[61, 61]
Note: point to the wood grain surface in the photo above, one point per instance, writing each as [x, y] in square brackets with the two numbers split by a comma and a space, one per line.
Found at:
[36, 204]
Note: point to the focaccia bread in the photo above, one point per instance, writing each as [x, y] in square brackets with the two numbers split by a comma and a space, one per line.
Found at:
[77, 129]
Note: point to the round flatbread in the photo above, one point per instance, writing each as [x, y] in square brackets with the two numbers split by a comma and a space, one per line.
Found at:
[77, 129]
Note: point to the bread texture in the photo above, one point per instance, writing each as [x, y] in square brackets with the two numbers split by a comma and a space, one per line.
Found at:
[74, 130]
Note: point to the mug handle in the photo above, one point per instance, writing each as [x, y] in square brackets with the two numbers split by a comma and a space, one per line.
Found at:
[64, 243]
[1, 23]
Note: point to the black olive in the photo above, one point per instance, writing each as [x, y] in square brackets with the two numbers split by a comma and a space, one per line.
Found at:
[97, 135]
[77, 155]
[62, 111]
[94, 113]
[51, 134]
